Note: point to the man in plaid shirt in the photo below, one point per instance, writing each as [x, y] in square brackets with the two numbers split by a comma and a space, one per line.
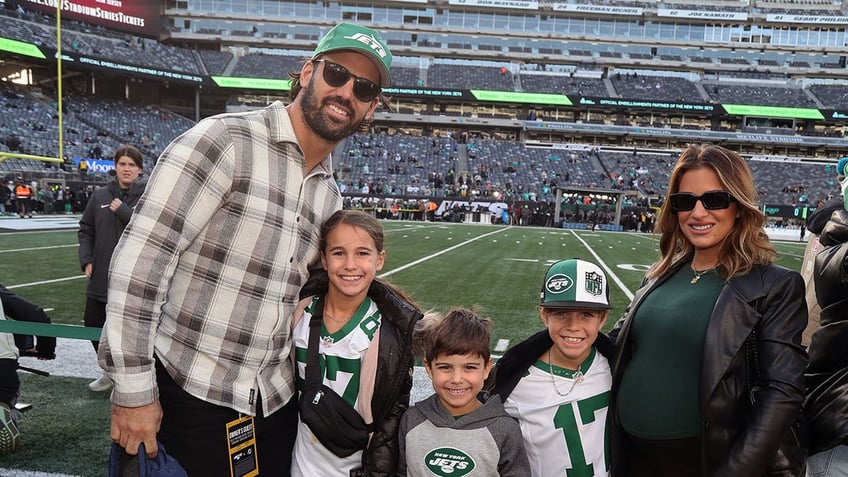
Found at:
[208, 271]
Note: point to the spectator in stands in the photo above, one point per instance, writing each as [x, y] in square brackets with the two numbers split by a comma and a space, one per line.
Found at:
[211, 265]
[106, 214]
[713, 290]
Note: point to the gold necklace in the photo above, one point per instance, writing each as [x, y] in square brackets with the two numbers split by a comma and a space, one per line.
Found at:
[341, 322]
[698, 274]
[577, 377]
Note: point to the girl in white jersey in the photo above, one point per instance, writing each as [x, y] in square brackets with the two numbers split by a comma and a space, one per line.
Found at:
[557, 382]
[364, 347]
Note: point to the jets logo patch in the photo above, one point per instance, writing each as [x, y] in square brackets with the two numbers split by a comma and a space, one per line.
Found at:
[559, 283]
[449, 461]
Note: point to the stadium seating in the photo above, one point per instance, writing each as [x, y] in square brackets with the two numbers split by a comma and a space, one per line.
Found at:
[260, 65]
[442, 75]
[656, 88]
[216, 62]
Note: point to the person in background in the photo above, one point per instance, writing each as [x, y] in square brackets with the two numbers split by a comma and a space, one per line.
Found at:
[22, 195]
[19, 308]
[368, 339]
[208, 272]
[719, 407]
[557, 381]
[826, 405]
[10, 386]
[5, 199]
[815, 223]
[453, 431]
[106, 215]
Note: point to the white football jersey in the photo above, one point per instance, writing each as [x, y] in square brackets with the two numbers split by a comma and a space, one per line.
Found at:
[564, 433]
[340, 358]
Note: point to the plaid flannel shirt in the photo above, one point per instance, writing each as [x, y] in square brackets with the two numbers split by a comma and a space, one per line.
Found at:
[209, 268]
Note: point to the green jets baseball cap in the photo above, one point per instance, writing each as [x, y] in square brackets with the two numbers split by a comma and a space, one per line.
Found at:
[350, 37]
[575, 283]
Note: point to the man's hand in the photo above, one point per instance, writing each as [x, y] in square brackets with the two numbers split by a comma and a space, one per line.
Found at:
[116, 203]
[89, 267]
[133, 425]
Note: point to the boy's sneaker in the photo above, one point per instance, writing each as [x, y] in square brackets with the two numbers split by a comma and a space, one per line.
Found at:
[101, 384]
[10, 435]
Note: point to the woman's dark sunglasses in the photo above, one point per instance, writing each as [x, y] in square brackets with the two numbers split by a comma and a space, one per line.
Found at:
[712, 200]
[337, 75]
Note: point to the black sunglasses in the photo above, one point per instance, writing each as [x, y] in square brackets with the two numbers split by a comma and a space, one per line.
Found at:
[712, 200]
[337, 75]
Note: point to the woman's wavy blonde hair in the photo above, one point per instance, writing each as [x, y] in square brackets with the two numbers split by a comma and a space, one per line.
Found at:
[747, 244]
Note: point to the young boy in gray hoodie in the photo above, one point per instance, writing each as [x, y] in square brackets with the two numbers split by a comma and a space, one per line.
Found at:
[452, 433]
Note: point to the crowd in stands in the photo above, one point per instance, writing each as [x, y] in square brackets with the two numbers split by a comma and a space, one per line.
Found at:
[478, 168]
[93, 128]
[95, 41]
[99, 42]
[403, 164]
[398, 164]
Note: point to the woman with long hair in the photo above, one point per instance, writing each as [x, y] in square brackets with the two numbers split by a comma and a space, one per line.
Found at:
[708, 379]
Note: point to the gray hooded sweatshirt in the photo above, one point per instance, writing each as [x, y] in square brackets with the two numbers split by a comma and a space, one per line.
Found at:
[485, 442]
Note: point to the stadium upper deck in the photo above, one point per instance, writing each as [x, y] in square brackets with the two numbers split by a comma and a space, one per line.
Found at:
[663, 73]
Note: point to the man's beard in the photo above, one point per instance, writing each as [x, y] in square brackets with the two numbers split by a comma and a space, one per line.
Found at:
[318, 121]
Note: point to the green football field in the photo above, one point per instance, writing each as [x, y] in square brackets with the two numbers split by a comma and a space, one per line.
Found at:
[499, 269]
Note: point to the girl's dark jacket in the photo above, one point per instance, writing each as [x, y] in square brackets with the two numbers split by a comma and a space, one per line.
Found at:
[100, 230]
[393, 381]
[738, 440]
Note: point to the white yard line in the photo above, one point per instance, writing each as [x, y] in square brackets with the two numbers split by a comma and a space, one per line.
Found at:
[433, 255]
[45, 282]
[606, 267]
[14, 250]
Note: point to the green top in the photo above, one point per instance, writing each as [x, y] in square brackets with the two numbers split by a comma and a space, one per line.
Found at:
[659, 393]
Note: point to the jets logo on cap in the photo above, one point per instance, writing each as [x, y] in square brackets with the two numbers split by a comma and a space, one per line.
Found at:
[559, 283]
[594, 283]
[370, 41]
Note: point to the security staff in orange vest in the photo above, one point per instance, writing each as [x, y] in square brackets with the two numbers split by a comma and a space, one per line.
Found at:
[22, 195]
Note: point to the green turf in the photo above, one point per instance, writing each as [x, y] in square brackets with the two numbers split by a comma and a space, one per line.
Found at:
[497, 268]
[66, 430]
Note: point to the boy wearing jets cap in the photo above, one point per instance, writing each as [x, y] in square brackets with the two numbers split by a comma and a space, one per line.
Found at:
[557, 382]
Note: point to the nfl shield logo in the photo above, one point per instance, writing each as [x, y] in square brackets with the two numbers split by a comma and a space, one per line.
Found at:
[594, 283]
